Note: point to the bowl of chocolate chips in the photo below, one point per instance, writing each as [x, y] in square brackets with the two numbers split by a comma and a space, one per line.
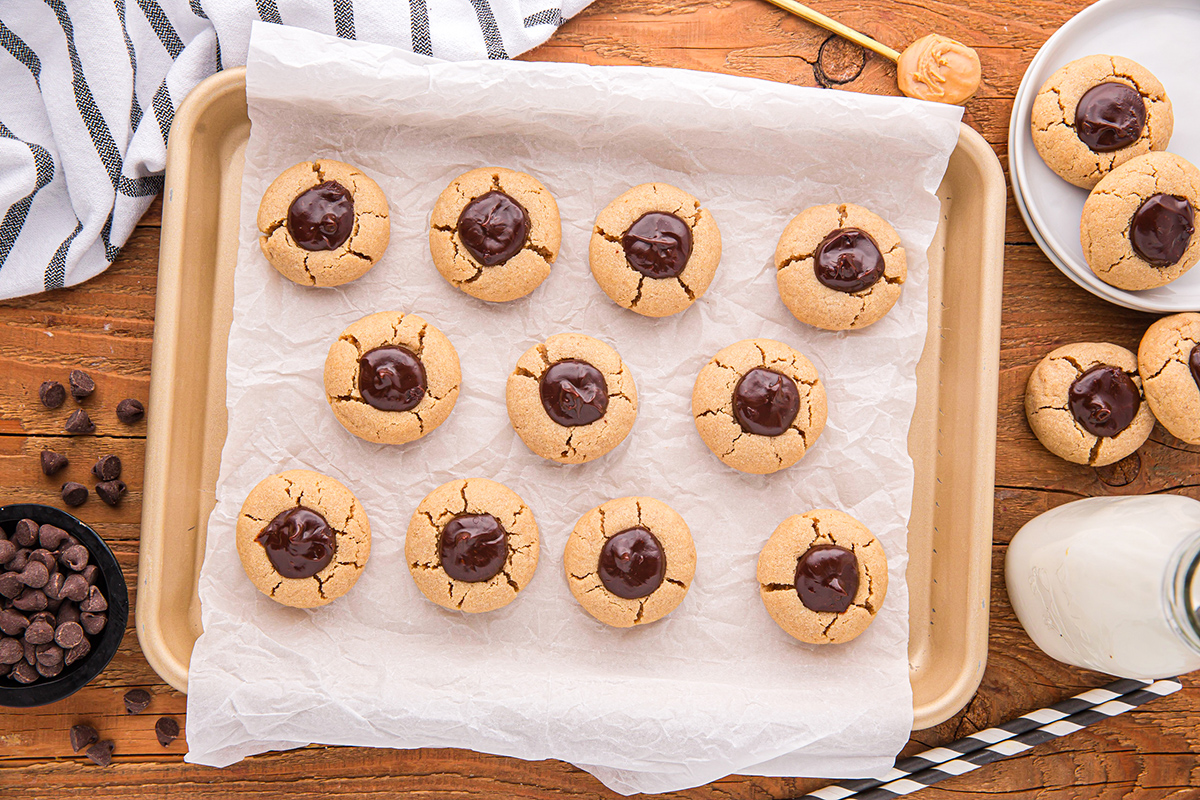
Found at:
[63, 605]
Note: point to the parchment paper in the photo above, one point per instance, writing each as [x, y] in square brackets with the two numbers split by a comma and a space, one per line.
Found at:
[716, 687]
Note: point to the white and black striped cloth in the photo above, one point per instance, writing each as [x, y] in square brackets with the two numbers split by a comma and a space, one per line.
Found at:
[90, 87]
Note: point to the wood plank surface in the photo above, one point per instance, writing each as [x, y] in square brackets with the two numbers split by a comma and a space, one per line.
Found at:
[106, 327]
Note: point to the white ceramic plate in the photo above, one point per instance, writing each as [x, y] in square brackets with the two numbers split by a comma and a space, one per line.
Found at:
[1163, 36]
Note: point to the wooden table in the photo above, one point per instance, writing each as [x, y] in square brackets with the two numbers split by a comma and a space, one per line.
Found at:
[105, 326]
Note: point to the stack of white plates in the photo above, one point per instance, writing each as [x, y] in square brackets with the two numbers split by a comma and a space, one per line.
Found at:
[1164, 37]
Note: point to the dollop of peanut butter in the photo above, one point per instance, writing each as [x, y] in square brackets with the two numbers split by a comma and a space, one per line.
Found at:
[938, 68]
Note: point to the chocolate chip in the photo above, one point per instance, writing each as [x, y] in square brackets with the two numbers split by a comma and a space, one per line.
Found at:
[83, 736]
[29, 652]
[77, 652]
[130, 411]
[50, 655]
[80, 422]
[101, 753]
[68, 634]
[19, 560]
[167, 730]
[24, 672]
[11, 651]
[74, 494]
[108, 468]
[45, 557]
[89, 573]
[51, 536]
[92, 623]
[10, 585]
[26, 533]
[49, 670]
[136, 701]
[34, 575]
[52, 394]
[53, 587]
[82, 384]
[111, 492]
[40, 632]
[75, 587]
[30, 600]
[68, 613]
[12, 623]
[74, 557]
[7, 551]
[52, 462]
[94, 602]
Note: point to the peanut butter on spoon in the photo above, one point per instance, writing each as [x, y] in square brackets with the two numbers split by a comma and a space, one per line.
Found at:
[934, 67]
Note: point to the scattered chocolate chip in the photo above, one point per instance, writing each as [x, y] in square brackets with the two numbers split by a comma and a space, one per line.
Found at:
[11, 651]
[30, 600]
[68, 634]
[52, 462]
[82, 384]
[51, 536]
[52, 394]
[73, 557]
[83, 736]
[80, 422]
[111, 492]
[101, 753]
[26, 533]
[92, 623]
[108, 468]
[7, 551]
[74, 494]
[136, 701]
[24, 672]
[167, 730]
[75, 588]
[77, 652]
[130, 411]
[94, 602]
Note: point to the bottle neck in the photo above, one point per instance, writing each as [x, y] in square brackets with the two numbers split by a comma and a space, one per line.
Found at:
[1182, 589]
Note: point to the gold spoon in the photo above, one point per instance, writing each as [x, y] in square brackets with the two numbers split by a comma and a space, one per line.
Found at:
[934, 67]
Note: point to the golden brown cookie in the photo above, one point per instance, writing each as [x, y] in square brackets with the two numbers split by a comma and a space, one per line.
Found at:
[654, 250]
[391, 377]
[1138, 224]
[759, 405]
[472, 545]
[323, 223]
[822, 576]
[494, 233]
[571, 398]
[1169, 363]
[1095, 114]
[1085, 403]
[839, 267]
[303, 538]
[630, 561]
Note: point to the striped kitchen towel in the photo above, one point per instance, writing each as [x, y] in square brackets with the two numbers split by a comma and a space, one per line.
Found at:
[90, 88]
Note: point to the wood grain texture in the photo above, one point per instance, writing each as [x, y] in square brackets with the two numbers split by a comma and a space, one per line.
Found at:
[106, 327]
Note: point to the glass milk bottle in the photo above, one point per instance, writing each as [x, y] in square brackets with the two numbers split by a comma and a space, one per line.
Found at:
[1112, 584]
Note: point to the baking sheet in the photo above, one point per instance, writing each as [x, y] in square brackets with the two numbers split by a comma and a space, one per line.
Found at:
[679, 702]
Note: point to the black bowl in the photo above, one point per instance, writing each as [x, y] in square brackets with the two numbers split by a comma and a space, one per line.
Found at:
[104, 646]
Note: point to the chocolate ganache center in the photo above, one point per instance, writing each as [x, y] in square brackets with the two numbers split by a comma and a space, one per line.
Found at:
[848, 260]
[827, 578]
[658, 245]
[1110, 116]
[322, 218]
[574, 393]
[1194, 364]
[473, 547]
[299, 542]
[1104, 400]
[493, 227]
[632, 563]
[391, 378]
[1162, 228]
[765, 402]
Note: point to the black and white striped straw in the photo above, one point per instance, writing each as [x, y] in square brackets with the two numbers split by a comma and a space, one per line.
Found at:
[986, 746]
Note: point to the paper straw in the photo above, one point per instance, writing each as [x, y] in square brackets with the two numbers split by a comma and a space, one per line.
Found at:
[993, 744]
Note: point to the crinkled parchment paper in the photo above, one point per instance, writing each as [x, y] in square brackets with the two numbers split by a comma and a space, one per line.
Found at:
[716, 687]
